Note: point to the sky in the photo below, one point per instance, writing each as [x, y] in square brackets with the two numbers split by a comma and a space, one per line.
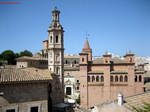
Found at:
[115, 26]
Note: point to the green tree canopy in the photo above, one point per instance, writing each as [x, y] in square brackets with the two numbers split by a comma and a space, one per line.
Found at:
[9, 56]
[26, 53]
[0, 56]
[17, 55]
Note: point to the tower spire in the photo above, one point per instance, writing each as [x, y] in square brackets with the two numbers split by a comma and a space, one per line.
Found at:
[87, 49]
[86, 45]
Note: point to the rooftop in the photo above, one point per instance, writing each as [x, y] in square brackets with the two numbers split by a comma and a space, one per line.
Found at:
[9, 75]
[137, 101]
[113, 60]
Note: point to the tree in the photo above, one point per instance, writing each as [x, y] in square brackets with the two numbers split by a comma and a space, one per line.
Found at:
[8, 56]
[0, 56]
[26, 53]
[17, 55]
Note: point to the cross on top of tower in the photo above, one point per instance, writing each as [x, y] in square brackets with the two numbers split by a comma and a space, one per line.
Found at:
[86, 35]
[55, 8]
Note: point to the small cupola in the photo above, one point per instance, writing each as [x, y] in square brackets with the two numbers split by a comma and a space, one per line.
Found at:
[129, 57]
[107, 58]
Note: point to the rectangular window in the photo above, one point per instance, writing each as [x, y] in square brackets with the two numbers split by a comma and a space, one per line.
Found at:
[34, 109]
[10, 110]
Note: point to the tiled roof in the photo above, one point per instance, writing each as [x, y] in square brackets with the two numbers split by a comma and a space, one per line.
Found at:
[30, 58]
[130, 102]
[98, 61]
[113, 61]
[8, 75]
[25, 57]
[147, 85]
[137, 101]
[74, 56]
[117, 60]
[147, 74]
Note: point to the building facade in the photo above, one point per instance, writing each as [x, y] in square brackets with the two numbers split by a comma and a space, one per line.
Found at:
[37, 84]
[26, 90]
[103, 78]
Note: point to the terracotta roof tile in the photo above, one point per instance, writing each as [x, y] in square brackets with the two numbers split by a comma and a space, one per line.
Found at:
[137, 101]
[113, 60]
[23, 75]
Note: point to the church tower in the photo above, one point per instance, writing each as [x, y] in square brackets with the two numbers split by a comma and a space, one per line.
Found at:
[56, 47]
[87, 49]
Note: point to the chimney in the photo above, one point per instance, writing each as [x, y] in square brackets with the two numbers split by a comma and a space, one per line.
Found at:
[120, 99]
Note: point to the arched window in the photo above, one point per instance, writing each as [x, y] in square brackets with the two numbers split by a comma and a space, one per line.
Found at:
[102, 78]
[56, 16]
[93, 78]
[135, 78]
[126, 78]
[97, 78]
[111, 78]
[121, 78]
[56, 39]
[140, 78]
[130, 59]
[116, 78]
[106, 60]
[82, 59]
[51, 39]
[88, 78]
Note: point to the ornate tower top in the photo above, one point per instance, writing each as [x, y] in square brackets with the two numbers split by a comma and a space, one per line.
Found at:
[55, 14]
[55, 20]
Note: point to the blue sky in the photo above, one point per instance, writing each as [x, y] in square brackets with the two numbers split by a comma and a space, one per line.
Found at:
[113, 25]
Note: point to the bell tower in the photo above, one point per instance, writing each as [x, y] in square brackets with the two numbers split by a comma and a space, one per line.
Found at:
[56, 47]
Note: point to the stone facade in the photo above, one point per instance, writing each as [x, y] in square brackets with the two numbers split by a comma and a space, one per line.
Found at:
[71, 75]
[103, 78]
